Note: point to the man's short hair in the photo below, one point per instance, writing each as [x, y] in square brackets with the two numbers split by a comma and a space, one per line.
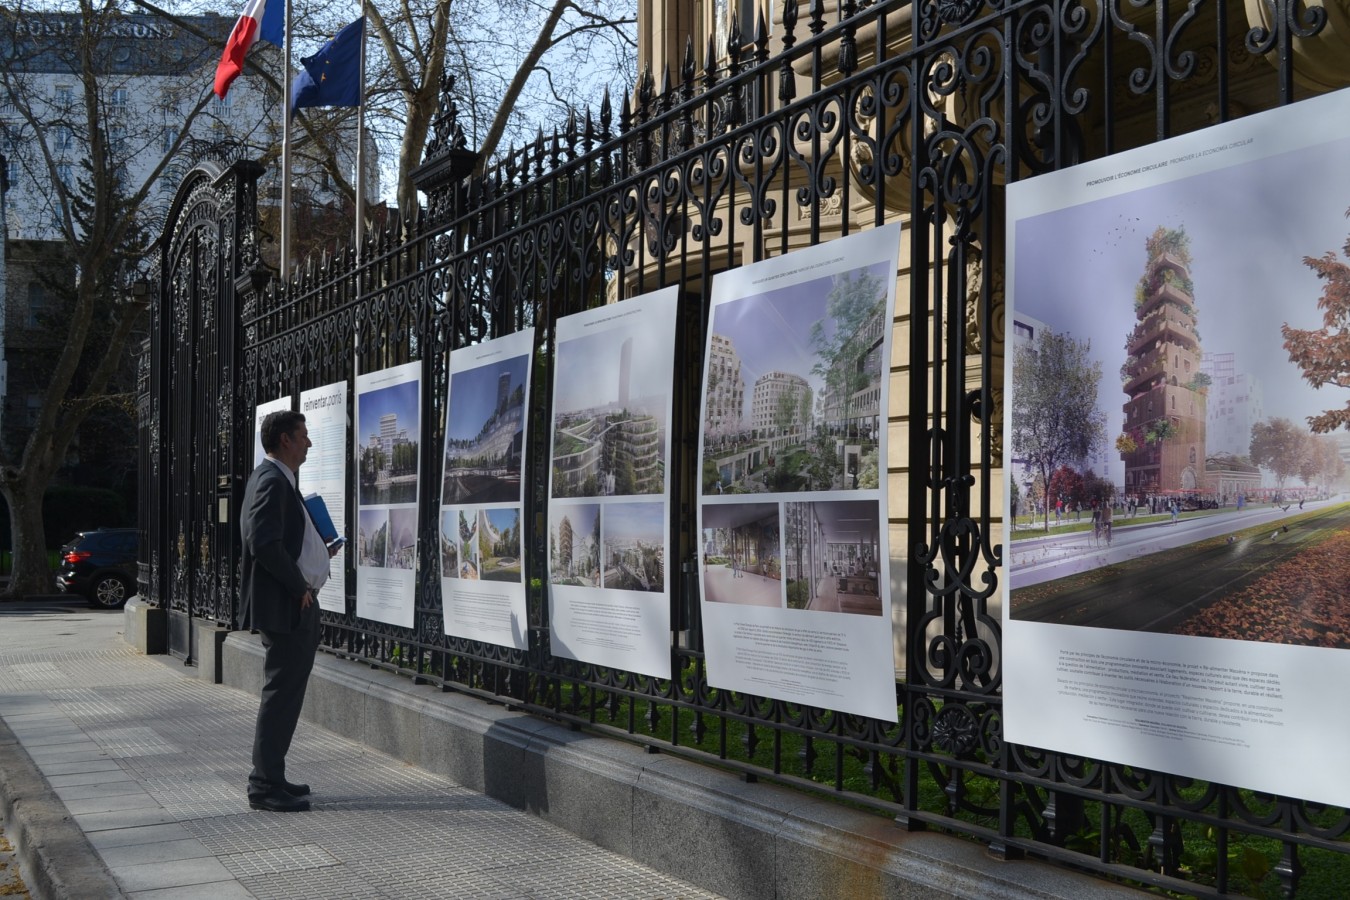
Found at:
[275, 424]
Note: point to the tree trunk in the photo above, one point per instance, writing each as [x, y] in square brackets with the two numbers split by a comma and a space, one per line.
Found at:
[31, 574]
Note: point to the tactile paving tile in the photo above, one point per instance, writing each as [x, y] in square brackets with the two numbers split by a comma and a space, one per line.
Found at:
[226, 835]
[203, 797]
[274, 860]
[131, 741]
[26, 670]
[34, 672]
[331, 883]
[419, 884]
[601, 875]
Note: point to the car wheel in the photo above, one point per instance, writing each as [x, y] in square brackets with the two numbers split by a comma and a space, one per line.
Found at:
[109, 592]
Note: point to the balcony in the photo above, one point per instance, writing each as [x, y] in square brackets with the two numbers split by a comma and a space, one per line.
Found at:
[1167, 292]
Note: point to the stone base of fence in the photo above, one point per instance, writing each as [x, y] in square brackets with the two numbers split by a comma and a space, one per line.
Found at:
[145, 627]
[692, 821]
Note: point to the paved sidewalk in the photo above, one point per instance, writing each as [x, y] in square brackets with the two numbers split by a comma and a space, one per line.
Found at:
[152, 764]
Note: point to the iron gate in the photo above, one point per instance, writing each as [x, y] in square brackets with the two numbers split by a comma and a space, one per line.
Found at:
[878, 111]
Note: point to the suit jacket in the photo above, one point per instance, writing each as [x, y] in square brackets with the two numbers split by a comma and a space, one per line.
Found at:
[272, 524]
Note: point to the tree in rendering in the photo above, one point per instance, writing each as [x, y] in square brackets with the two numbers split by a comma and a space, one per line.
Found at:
[1055, 419]
[1280, 446]
[841, 339]
[1324, 353]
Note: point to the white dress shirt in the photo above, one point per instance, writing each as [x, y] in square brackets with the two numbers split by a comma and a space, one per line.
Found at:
[314, 559]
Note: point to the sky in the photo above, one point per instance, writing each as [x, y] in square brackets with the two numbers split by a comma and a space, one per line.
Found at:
[1250, 227]
[372, 519]
[399, 399]
[772, 331]
[473, 395]
[502, 519]
[588, 367]
[581, 515]
[635, 521]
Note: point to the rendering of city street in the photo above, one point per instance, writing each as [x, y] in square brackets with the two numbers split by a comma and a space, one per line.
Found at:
[499, 544]
[574, 544]
[634, 545]
[484, 431]
[387, 441]
[793, 386]
[372, 537]
[1164, 473]
[612, 390]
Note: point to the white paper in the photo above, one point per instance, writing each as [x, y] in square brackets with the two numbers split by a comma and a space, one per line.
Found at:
[388, 434]
[793, 543]
[1202, 647]
[480, 530]
[325, 473]
[609, 521]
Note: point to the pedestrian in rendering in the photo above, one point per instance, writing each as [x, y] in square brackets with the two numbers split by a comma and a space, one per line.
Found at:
[1174, 510]
[284, 563]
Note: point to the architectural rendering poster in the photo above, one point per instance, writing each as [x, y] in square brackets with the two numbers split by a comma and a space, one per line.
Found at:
[388, 434]
[608, 530]
[482, 493]
[793, 546]
[1176, 597]
[325, 473]
[260, 413]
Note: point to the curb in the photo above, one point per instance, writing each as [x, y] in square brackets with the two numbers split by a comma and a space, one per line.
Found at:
[57, 859]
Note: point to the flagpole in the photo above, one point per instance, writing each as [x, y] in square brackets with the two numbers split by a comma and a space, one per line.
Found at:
[286, 151]
[361, 146]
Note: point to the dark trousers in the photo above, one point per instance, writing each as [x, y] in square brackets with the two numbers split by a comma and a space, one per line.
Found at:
[286, 667]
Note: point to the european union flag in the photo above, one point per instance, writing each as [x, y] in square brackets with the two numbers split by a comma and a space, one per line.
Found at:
[332, 77]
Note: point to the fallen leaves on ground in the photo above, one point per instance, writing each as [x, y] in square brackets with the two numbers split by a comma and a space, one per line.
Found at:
[1303, 600]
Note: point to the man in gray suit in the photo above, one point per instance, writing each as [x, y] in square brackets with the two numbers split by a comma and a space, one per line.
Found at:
[284, 564]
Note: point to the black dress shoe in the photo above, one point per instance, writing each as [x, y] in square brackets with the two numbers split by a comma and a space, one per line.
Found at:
[278, 803]
[295, 790]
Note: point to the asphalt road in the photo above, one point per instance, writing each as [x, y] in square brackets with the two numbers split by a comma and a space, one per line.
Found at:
[1195, 566]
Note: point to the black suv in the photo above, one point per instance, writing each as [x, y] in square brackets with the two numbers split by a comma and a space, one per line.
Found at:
[101, 566]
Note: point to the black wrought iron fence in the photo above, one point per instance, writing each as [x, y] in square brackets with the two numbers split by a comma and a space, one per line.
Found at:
[815, 126]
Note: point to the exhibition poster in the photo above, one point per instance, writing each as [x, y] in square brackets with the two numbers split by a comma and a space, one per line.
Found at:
[794, 555]
[609, 518]
[482, 492]
[388, 435]
[260, 413]
[1176, 594]
[325, 473]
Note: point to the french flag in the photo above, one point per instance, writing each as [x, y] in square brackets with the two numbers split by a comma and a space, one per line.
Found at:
[264, 19]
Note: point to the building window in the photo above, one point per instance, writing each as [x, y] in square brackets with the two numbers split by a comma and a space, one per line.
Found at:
[119, 100]
[37, 304]
[65, 175]
[65, 95]
[727, 12]
[167, 138]
[64, 139]
[221, 108]
[34, 408]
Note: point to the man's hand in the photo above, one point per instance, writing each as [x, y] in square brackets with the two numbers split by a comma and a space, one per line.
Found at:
[306, 599]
